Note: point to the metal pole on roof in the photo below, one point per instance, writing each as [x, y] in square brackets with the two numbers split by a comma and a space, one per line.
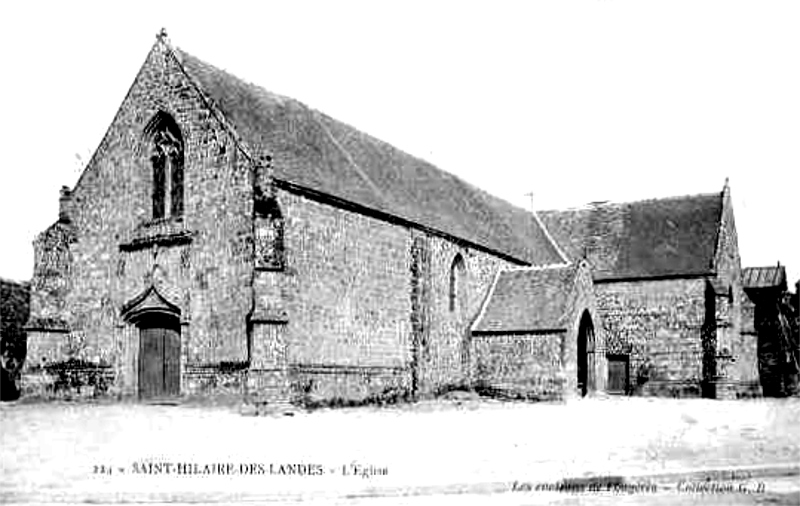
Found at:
[531, 194]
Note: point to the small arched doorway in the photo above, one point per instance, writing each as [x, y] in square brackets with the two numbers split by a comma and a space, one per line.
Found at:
[586, 343]
[159, 359]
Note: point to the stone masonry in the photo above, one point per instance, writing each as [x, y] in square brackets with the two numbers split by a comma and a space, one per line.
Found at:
[238, 244]
[333, 321]
[106, 248]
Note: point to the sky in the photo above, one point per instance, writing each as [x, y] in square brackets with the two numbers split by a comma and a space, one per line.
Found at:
[574, 102]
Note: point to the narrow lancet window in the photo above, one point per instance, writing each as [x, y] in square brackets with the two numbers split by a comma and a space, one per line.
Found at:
[458, 274]
[166, 157]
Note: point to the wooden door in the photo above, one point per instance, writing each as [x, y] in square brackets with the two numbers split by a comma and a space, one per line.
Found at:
[172, 362]
[618, 371]
[159, 362]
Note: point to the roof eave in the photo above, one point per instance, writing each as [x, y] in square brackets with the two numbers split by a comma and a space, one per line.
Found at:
[518, 332]
[660, 277]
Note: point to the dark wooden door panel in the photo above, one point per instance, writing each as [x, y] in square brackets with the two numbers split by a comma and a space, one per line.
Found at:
[172, 362]
[617, 375]
[151, 362]
[159, 361]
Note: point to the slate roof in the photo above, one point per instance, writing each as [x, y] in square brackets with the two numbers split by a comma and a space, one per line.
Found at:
[314, 151]
[667, 237]
[764, 277]
[528, 300]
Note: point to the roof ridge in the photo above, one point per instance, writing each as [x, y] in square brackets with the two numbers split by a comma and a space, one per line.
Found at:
[593, 205]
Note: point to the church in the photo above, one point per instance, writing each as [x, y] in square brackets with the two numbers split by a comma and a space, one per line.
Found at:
[227, 241]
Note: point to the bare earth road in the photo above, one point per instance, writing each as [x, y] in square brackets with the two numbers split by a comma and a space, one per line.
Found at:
[470, 452]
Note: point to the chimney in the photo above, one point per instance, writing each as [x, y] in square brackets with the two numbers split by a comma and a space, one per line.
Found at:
[64, 205]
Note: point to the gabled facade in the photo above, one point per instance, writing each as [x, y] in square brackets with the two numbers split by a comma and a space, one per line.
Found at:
[667, 280]
[535, 336]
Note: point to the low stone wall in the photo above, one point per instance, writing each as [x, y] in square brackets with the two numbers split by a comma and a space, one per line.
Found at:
[519, 366]
[216, 380]
[676, 388]
[332, 385]
[738, 389]
[71, 379]
[692, 387]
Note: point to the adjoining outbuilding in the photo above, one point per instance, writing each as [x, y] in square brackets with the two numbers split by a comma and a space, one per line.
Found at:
[535, 337]
[667, 279]
[771, 323]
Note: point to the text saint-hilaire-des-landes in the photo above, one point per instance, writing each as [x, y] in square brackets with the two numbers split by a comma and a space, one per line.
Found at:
[229, 468]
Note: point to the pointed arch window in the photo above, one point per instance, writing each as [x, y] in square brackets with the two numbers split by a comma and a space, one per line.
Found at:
[270, 252]
[458, 282]
[166, 157]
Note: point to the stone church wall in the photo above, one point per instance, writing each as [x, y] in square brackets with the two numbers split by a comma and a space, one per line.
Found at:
[347, 300]
[446, 358]
[200, 262]
[658, 324]
[521, 365]
[349, 305]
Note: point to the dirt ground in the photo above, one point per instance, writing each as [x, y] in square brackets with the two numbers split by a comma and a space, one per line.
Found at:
[135, 452]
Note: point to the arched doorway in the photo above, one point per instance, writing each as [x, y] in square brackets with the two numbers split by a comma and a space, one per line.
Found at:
[586, 367]
[159, 363]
